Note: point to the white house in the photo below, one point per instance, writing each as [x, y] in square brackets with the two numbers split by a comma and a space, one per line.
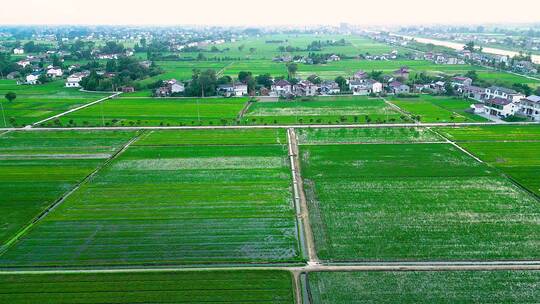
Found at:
[55, 72]
[500, 107]
[330, 88]
[397, 87]
[503, 93]
[334, 58]
[32, 78]
[240, 89]
[530, 107]
[24, 63]
[376, 87]
[281, 88]
[478, 108]
[73, 81]
[177, 88]
[18, 51]
[461, 81]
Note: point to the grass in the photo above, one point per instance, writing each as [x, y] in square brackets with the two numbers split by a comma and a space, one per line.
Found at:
[365, 135]
[34, 103]
[38, 167]
[332, 110]
[215, 137]
[158, 112]
[414, 202]
[438, 109]
[149, 287]
[173, 204]
[425, 287]
[492, 133]
[512, 149]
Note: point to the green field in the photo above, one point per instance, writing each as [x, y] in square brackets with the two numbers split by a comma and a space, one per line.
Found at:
[366, 135]
[437, 109]
[172, 204]
[149, 287]
[38, 167]
[515, 150]
[323, 110]
[34, 103]
[158, 112]
[389, 202]
[424, 287]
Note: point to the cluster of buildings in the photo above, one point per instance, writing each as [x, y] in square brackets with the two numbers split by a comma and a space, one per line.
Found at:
[304, 59]
[170, 88]
[502, 102]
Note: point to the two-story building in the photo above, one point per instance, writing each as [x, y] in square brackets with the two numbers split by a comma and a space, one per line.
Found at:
[503, 93]
[530, 107]
[500, 107]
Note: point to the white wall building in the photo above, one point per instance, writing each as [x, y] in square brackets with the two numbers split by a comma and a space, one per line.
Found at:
[18, 51]
[503, 93]
[54, 72]
[32, 79]
[530, 107]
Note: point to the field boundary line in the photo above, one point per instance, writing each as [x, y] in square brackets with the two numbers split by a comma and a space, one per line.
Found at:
[300, 196]
[400, 110]
[383, 266]
[458, 147]
[73, 110]
[296, 126]
[244, 110]
[64, 196]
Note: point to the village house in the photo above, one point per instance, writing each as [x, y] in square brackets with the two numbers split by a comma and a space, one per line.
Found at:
[403, 72]
[32, 79]
[530, 107]
[18, 51]
[127, 89]
[175, 86]
[305, 88]
[240, 89]
[478, 108]
[500, 107]
[237, 89]
[376, 87]
[397, 87]
[461, 81]
[330, 88]
[334, 58]
[281, 88]
[360, 75]
[503, 93]
[54, 72]
[473, 92]
[73, 81]
[24, 63]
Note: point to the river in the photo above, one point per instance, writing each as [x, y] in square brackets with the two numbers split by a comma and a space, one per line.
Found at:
[459, 46]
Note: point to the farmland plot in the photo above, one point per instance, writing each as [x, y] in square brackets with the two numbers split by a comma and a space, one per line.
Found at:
[331, 110]
[414, 202]
[492, 133]
[37, 168]
[159, 112]
[366, 135]
[425, 287]
[171, 205]
[437, 109]
[149, 287]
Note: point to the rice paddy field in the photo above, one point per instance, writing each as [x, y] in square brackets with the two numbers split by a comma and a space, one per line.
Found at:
[438, 109]
[515, 150]
[144, 287]
[424, 287]
[34, 103]
[159, 203]
[327, 110]
[157, 112]
[38, 168]
[414, 202]
[366, 135]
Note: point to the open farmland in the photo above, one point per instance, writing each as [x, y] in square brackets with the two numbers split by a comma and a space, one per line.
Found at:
[515, 150]
[366, 135]
[143, 287]
[173, 205]
[34, 103]
[389, 202]
[38, 168]
[324, 110]
[437, 109]
[158, 112]
[424, 287]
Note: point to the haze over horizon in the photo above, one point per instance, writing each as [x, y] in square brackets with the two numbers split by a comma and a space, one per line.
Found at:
[277, 12]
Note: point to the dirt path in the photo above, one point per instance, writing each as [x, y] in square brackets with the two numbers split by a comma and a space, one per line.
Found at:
[244, 110]
[61, 199]
[300, 197]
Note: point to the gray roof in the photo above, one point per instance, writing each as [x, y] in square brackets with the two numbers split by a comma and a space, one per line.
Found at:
[533, 98]
[501, 89]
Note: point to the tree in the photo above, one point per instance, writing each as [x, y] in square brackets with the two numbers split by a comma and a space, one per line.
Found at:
[342, 82]
[264, 80]
[243, 76]
[10, 96]
[449, 89]
[292, 68]
[252, 50]
[314, 79]
[472, 75]
[470, 46]
[241, 48]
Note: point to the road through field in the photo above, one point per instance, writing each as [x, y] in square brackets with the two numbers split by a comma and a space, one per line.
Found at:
[300, 196]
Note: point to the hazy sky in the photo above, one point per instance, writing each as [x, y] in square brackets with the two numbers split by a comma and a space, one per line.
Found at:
[272, 12]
